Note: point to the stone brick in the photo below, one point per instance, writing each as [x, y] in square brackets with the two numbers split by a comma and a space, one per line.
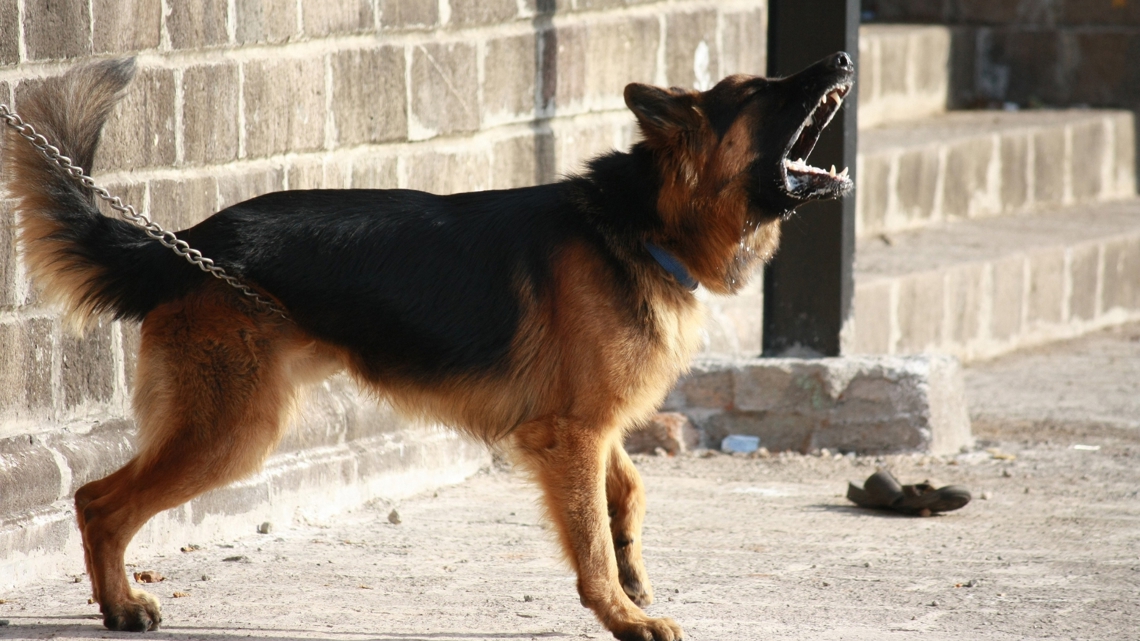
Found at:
[1090, 152]
[265, 20]
[124, 26]
[596, 61]
[744, 43]
[325, 17]
[30, 476]
[449, 173]
[782, 386]
[514, 163]
[894, 58]
[129, 332]
[234, 188]
[1049, 166]
[920, 312]
[1124, 162]
[8, 257]
[966, 178]
[465, 13]
[874, 192]
[872, 313]
[374, 172]
[691, 59]
[369, 96]
[575, 143]
[399, 14]
[9, 33]
[318, 174]
[183, 202]
[964, 303]
[140, 132]
[1084, 267]
[1008, 297]
[706, 386]
[917, 184]
[284, 106]
[193, 25]
[25, 365]
[931, 60]
[88, 365]
[210, 114]
[669, 432]
[1122, 275]
[445, 90]
[1014, 172]
[509, 76]
[1045, 305]
[56, 29]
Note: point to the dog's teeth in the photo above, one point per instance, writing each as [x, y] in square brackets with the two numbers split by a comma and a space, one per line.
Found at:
[810, 121]
[843, 174]
[833, 171]
[835, 97]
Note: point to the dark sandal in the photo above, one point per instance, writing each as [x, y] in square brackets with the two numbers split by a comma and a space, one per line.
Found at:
[882, 491]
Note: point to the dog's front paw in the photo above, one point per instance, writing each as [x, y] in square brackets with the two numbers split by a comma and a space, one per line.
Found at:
[648, 630]
[138, 613]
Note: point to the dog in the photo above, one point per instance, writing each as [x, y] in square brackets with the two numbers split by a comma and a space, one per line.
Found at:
[545, 319]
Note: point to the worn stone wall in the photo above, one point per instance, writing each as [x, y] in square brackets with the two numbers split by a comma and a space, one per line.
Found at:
[235, 98]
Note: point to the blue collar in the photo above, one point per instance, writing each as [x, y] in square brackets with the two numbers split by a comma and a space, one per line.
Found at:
[672, 265]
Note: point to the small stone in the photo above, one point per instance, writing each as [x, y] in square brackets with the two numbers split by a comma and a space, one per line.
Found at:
[1006, 474]
[986, 496]
[4, 622]
[825, 453]
[934, 604]
[867, 564]
[528, 598]
[1027, 490]
[193, 547]
[236, 559]
[179, 595]
[205, 577]
[148, 576]
[265, 528]
[394, 517]
[973, 583]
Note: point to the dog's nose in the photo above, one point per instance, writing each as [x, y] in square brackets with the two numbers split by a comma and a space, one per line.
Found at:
[842, 61]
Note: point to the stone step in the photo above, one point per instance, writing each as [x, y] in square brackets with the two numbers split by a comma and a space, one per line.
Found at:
[976, 164]
[903, 72]
[978, 288]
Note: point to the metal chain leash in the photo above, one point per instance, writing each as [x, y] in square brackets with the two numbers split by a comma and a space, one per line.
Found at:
[128, 213]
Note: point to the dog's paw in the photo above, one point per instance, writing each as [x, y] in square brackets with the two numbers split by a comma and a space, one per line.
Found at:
[139, 613]
[638, 590]
[648, 630]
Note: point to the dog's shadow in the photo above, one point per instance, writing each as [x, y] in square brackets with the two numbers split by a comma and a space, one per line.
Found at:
[93, 630]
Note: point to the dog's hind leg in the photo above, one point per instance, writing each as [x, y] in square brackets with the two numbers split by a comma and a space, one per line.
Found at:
[214, 386]
[625, 497]
[568, 459]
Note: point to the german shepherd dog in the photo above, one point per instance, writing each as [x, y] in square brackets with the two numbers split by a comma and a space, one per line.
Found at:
[546, 319]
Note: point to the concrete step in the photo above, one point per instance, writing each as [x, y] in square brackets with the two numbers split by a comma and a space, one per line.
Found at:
[978, 288]
[976, 164]
[903, 72]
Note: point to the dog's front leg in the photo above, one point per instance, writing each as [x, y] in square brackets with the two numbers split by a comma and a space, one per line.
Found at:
[625, 496]
[568, 458]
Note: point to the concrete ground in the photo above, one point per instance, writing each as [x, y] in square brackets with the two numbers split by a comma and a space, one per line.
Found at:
[737, 548]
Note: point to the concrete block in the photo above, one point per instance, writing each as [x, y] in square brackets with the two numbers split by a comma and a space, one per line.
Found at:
[54, 29]
[510, 72]
[284, 105]
[374, 172]
[126, 26]
[131, 193]
[894, 58]
[1090, 155]
[466, 13]
[1084, 268]
[597, 60]
[1122, 275]
[1046, 295]
[88, 366]
[1124, 161]
[866, 404]
[691, 59]
[9, 32]
[237, 187]
[129, 333]
[9, 259]
[1049, 166]
[29, 475]
[1008, 297]
[449, 172]
[93, 455]
[404, 14]
[515, 162]
[183, 202]
[669, 432]
[445, 90]
[964, 292]
[744, 42]
[874, 185]
[920, 312]
[369, 96]
[319, 174]
[966, 193]
[264, 20]
[140, 131]
[25, 366]
[872, 314]
[917, 185]
[193, 25]
[210, 114]
[1015, 165]
[327, 17]
[706, 386]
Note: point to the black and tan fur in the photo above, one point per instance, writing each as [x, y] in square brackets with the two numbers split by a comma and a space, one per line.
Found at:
[534, 318]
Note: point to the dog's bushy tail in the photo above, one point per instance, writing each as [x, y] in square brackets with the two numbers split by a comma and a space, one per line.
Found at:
[91, 263]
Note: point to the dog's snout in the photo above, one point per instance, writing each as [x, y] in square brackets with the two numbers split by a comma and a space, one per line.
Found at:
[842, 61]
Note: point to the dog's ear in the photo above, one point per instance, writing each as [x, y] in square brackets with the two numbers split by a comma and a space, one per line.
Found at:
[658, 109]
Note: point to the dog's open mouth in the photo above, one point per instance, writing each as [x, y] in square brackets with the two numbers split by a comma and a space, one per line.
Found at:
[802, 180]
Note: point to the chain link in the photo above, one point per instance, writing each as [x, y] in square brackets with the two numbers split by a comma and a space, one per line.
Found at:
[128, 213]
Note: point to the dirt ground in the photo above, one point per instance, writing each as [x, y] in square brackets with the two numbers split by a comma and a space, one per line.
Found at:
[738, 548]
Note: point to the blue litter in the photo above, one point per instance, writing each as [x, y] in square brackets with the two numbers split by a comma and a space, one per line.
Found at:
[740, 443]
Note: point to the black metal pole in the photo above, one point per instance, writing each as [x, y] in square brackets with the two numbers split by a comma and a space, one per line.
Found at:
[809, 284]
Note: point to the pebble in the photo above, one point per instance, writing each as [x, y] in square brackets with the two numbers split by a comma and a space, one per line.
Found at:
[986, 496]
[264, 528]
[394, 517]
[4, 622]
[236, 559]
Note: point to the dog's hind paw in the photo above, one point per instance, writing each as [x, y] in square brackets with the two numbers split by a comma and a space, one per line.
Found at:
[641, 593]
[139, 613]
[648, 630]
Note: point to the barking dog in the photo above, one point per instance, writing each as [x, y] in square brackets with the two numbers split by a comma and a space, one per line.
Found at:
[548, 319]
